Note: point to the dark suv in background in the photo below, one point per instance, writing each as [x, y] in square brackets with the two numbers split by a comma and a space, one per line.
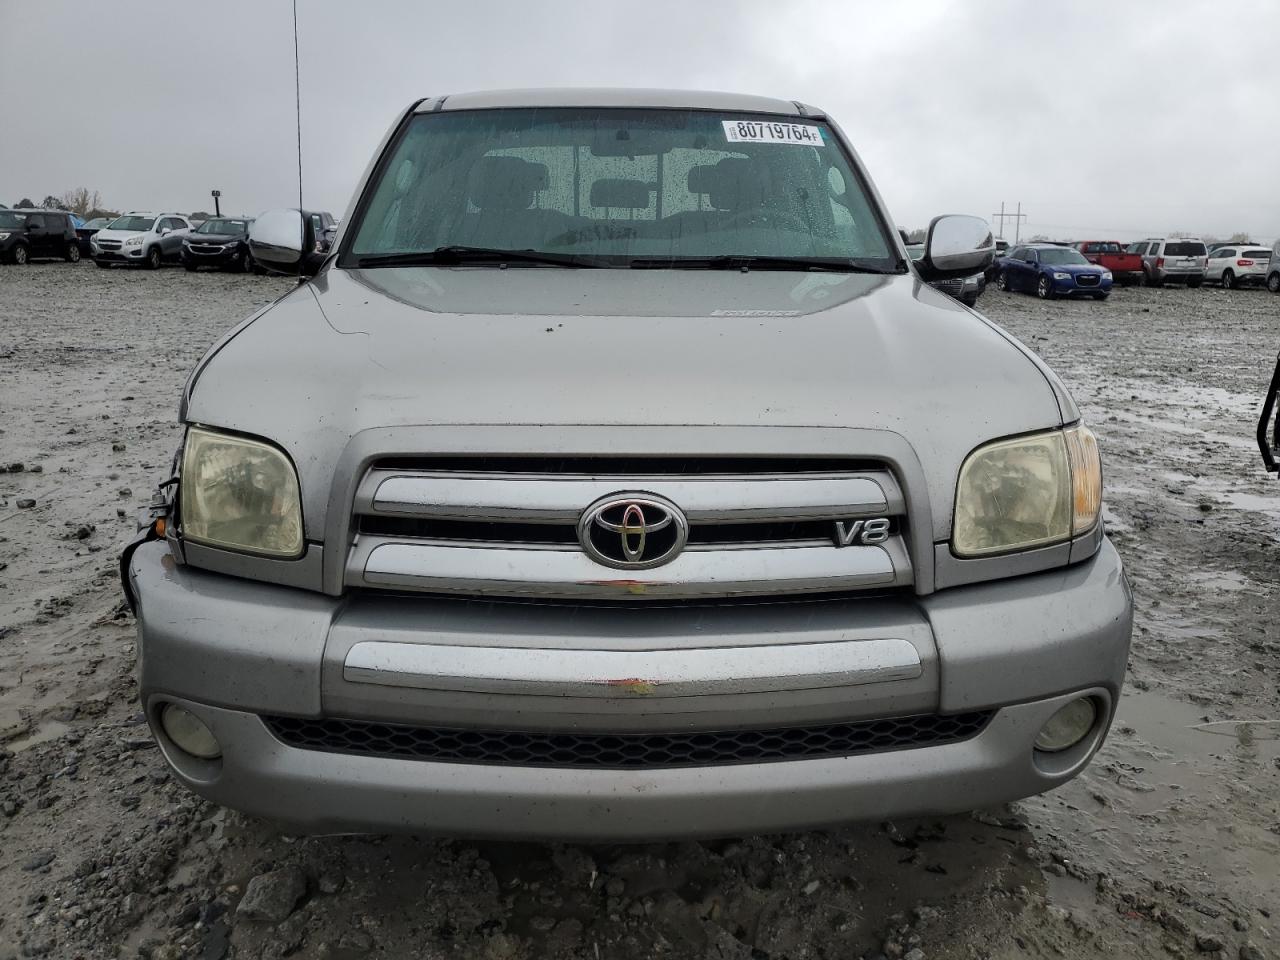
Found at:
[221, 242]
[37, 234]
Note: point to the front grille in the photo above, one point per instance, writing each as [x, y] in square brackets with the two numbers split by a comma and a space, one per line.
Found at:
[1087, 280]
[109, 244]
[620, 751]
[525, 526]
[205, 248]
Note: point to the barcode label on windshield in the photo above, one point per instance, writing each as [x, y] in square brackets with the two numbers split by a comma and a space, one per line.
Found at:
[756, 131]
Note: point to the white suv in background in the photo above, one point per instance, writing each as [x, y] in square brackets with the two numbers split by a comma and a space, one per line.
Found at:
[1238, 264]
[1177, 259]
[145, 238]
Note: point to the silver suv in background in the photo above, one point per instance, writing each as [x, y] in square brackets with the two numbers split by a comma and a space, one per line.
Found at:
[1175, 260]
[1273, 269]
[142, 238]
[658, 496]
[1238, 265]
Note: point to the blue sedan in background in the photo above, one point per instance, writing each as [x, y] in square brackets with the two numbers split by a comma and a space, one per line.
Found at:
[1048, 271]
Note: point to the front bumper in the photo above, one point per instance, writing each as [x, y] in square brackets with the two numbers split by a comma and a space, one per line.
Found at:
[222, 258]
[123, 255]
[232, 651]
[1067, 288]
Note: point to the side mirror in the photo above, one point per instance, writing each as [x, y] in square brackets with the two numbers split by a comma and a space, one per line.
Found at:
[956, 246]
[282, 241]
[164, 231]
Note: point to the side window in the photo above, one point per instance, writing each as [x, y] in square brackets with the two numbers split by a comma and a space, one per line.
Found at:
[1032, 257]
[1089, 247]
[1223, 252]
[35, 222]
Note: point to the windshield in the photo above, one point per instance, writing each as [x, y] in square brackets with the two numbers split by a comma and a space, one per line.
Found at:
[235, 227]
[137, 224]
[610, 186]
[1184, 249]
[10, 219]
[97, 223]
[1104, 247]
[1062, 255]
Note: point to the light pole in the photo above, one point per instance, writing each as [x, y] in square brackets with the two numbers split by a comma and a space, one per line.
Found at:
[217, 210]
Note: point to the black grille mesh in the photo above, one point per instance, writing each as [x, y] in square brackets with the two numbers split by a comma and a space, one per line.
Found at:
[623, 750]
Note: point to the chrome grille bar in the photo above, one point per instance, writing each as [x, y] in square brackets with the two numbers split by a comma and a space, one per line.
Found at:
[516, 570]
[553, 499]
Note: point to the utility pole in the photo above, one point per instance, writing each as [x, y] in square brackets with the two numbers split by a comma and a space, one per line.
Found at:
[1017, 219]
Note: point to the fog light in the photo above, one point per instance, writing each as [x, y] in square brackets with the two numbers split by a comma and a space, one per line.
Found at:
[1068, 726]
[189, 732]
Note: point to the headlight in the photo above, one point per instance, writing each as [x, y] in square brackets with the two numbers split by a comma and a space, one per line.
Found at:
[1028, 492]
[1062, 276]
[240, 494]
[1106, 274]
[186, 243]
[4, 236]
[132, 241]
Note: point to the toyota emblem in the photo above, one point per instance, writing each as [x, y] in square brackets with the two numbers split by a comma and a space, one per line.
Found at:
[633, 531]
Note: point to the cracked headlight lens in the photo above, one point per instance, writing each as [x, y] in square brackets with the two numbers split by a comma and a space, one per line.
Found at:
[240, 494]
[1028, 492]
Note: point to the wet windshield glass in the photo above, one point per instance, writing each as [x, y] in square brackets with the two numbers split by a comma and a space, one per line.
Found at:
[234, 227]
[10, 219]
[1062, 256]
[612, 185]
[131, 223]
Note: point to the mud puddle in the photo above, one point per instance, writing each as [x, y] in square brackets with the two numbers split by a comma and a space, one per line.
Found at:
[1171, 768]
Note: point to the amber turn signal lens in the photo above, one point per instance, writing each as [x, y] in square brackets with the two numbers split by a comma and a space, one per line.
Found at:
[160, 527]
[1086, 478]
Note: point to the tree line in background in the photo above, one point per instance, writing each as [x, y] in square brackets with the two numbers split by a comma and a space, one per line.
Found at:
[84, 203]
[81, 201]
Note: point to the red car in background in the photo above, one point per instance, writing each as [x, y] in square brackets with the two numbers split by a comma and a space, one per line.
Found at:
[1110, 255]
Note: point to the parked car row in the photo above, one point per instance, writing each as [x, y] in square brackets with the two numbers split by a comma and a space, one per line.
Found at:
[1091, 267]
[139, 238]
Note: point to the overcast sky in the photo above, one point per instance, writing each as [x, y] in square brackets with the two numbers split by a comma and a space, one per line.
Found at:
[1104, 120]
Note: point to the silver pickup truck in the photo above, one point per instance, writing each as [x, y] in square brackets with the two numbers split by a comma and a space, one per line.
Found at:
[617, 475]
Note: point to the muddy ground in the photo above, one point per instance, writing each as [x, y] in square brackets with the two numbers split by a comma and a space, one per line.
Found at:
[1169, 845]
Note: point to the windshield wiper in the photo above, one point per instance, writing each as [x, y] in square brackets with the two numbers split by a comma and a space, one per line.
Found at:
[456, 254]
[746, 262]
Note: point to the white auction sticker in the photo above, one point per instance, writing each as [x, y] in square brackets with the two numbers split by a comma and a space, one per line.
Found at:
[759, 131]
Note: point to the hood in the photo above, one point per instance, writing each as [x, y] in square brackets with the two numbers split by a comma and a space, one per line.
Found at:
[212, 237]
[1072, 268]
[556, 349]
[121, 235]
